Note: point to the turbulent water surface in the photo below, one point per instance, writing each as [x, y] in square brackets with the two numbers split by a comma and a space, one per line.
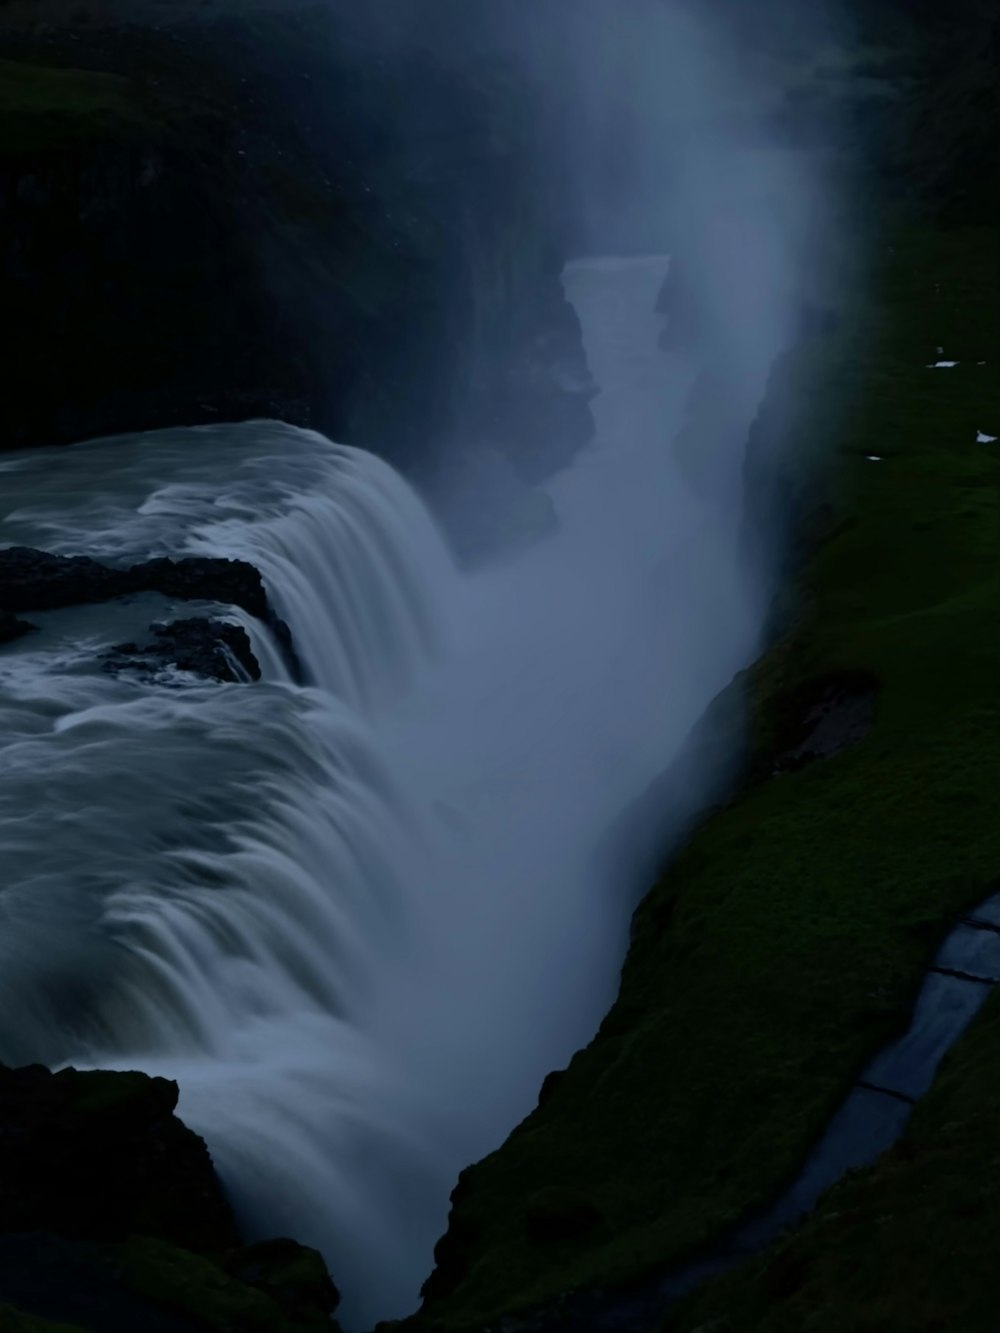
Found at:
[358, 920]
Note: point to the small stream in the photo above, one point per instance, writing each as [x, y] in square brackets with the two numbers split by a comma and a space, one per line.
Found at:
[872, 1117]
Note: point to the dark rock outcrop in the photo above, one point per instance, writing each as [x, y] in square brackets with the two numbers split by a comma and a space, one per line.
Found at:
[98, 1155]
[12, 628]
[206, 647]
[32, 580]
[112, 1219]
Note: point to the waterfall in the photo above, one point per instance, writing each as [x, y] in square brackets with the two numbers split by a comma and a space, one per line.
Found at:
[360, 919]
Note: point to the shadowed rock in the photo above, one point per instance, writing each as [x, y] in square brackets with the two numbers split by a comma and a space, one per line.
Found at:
[207, 647]
[11, 628]
[33, 580]
[99, 1155]
[112, 1219]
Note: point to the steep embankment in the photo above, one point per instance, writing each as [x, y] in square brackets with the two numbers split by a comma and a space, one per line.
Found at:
[227, 211]
[784, 944]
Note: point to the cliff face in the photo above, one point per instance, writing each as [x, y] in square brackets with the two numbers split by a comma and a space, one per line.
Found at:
[265, 212]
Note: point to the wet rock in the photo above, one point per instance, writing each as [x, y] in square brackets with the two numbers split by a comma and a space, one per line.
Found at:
[822, 716]
[33, 580]
[205, 578]
[455, 1251]
[11, 628]
[207, 647]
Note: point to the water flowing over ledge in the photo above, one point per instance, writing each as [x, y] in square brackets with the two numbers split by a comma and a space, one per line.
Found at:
[359, 920]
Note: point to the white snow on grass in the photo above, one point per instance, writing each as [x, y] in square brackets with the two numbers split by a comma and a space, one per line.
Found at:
[983, 438]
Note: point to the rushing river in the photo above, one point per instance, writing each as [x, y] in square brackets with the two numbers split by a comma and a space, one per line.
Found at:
[358, 920]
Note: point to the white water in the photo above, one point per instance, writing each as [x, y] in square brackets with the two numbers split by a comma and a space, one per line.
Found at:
[358, 921]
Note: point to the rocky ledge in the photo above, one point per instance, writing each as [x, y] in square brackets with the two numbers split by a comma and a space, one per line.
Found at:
[202, 645]
[12, 628]
[112, 1218]
[33, 580]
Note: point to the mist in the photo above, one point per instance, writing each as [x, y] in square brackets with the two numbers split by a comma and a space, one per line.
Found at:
[420, 920]
[572, 669]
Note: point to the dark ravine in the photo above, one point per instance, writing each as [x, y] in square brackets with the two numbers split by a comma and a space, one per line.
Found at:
[32, 580]
[851, 805]
[228, 187]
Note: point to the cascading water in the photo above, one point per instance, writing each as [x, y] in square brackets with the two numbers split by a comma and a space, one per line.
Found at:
[357, 920]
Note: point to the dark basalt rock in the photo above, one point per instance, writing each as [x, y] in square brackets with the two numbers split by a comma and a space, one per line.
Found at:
[11, 628]
[207, 578]
[32, 580]
[207, 647]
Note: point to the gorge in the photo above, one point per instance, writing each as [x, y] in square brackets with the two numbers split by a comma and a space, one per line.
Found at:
[460, 411]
